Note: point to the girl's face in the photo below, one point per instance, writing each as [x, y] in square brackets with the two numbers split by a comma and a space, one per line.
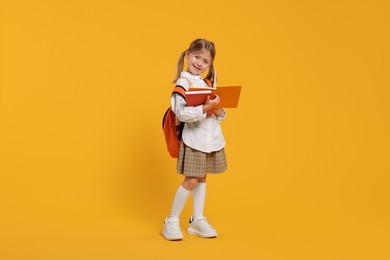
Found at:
[198, 62]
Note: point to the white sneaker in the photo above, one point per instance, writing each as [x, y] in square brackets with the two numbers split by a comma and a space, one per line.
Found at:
[201, 227]
[171, 229]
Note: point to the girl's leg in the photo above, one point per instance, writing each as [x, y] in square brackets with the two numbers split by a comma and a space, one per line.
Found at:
[182, 194]
[171, 229]
[198, 223]
[179, 201]
[190, 183]
[199, 195]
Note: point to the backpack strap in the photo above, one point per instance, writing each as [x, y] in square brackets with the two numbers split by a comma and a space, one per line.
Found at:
[209, 83]
[179, 90]
[182, 92]
[180, 133]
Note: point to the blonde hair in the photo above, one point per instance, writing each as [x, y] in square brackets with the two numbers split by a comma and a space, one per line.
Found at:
[196, 46]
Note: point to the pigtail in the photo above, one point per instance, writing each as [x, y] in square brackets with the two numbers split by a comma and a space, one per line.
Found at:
[180, 65]
[211, 74]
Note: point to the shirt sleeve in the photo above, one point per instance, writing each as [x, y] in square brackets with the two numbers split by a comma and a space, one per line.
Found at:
[221, 118]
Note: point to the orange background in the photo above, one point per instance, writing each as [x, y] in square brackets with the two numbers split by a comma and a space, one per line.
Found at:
[84, 170]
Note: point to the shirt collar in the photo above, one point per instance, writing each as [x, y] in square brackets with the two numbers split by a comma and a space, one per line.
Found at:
[189, 75]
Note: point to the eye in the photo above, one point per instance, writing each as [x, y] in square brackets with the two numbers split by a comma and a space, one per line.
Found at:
[206, 61]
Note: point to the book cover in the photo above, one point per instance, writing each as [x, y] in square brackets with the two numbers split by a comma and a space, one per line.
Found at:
[229, 96]
[196, 97]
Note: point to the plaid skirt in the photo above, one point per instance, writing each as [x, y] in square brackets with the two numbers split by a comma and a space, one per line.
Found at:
[194, 163]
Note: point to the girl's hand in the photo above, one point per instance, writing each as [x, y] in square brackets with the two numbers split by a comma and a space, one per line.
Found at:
[218, 112]
[211, 103]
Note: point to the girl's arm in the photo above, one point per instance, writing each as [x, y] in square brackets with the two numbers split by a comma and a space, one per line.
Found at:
[184, 113]
[189, 113]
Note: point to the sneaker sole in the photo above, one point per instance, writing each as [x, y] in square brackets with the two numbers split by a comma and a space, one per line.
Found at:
[172, 238]
[194, 232]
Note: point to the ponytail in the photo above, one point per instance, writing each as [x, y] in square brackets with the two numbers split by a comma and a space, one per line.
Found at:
[211, 73]
[180, 65]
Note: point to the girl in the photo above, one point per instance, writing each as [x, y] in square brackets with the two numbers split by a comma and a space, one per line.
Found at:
[202, 146]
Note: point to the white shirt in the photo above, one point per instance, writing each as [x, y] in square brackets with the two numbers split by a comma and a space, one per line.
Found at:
[200, 132]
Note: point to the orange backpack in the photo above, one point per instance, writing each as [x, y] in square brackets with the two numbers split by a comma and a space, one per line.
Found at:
[172, 127]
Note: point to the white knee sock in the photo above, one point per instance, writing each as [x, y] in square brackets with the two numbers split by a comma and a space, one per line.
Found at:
[179, 201]
[199, 195]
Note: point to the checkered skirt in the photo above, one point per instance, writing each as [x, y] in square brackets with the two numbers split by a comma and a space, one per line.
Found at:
[194, 163]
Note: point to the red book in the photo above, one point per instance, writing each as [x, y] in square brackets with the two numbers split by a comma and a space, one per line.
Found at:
[229, 96]
[196, 97]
